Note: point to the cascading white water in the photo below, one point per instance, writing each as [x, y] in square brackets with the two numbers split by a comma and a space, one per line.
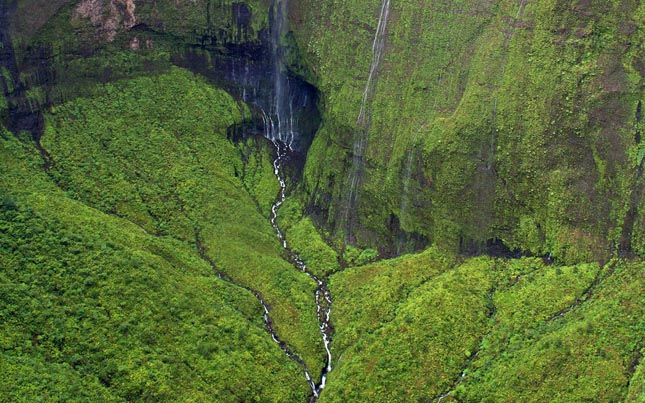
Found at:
[378, 44]
[364, 116]
[322, 296]
[283, 122]
[280, 126]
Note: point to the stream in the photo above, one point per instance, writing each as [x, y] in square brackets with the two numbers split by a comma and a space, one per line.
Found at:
[286, 109]
[322, 296]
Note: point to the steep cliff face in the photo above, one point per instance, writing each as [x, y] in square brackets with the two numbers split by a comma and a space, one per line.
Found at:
[514, 121]
[237, 45]
[15, 109]
[462, 123]
[112, 64]
[81, 42]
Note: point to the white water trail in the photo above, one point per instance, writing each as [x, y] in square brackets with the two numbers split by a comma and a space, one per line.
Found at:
[378, 44]
[363, 120]
[282, 108]
[322, 296]
[274, 336]
[281, 128]
[448, 393]
[268, 323]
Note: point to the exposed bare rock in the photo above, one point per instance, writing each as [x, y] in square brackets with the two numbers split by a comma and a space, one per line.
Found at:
[134, 43]
[108, 17]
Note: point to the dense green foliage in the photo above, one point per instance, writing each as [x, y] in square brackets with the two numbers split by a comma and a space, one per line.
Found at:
[407, 328]
[637, 385]
[128, 261]
[96, 309]
[506, 120]
[586, 354]
[168, 173]
[305, 240]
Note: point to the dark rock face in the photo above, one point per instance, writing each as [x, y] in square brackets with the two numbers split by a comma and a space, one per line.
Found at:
[247, 74]
[255, 72]
[248, 62]
[21, 114]
[242, 18]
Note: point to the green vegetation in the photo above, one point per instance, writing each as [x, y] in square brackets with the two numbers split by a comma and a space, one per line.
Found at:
[257, 175]
[154, 151]
[424, 346]
[522, 331]
[587, 354]
[128, 262]
[96, 309]
[368, 296]
[637, 384]
[304, 239]
[503, 120]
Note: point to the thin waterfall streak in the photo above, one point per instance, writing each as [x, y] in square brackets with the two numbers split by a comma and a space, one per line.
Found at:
[377, 50]
[363, 119]
[378, 26]
[408, 172]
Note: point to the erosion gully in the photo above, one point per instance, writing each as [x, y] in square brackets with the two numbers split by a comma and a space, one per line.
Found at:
[281, 105]
[282, 126]
[322, 296]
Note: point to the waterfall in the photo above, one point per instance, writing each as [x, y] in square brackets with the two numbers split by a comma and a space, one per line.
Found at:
[280, 126]
[378, 45]
[253, 71]
[282, 108]
[363, 122]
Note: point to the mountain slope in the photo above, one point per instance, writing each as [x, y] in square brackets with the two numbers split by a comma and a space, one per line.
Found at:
[104, 282]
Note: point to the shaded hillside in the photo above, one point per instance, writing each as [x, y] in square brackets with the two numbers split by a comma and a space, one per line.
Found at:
[102, 276]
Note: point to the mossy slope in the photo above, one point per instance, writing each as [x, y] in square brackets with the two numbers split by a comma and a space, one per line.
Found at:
[506, 120]
[418, 327]
[96, 309]
[145, 150]
[148, 159]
